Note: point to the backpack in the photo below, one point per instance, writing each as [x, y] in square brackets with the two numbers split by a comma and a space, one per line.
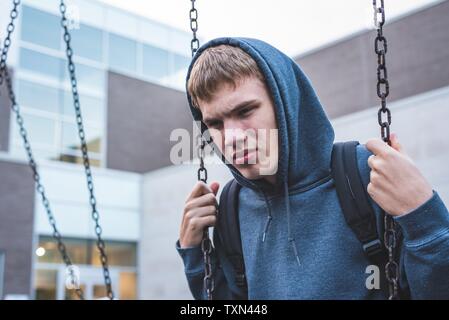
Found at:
[353, 198]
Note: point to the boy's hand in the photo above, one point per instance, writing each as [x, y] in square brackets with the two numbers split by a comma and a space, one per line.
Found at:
[200, 212]
[396, 184]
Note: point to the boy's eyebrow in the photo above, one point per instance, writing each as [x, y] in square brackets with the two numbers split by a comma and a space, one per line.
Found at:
[235, 108]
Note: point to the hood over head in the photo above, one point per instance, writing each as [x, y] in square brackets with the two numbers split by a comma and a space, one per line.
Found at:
[305, 133]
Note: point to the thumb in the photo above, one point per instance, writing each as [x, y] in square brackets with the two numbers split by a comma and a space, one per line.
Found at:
[215, 186]
[395, 143]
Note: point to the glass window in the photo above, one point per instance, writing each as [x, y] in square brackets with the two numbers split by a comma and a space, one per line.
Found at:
[78, 159]
[39, 97]
[18, 150]
[45, 284]
[70, 294]
[91, 107]
[40, 130]
[88, 42]
[88, 77]
[71, 140]
[119, 254]
[41, 63]
[155, 62]
[77, 250]
[99, 291]
[41, 28]
[180, 63]
[122, 53]
[128, 288]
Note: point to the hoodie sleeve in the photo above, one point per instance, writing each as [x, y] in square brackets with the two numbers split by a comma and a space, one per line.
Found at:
[192, 258]
[425, 247]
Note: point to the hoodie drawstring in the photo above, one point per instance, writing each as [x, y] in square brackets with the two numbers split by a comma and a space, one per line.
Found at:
[269, 218]
[289, 229]
[291, 240]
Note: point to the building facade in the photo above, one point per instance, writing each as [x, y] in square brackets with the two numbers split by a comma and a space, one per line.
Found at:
[131, 79]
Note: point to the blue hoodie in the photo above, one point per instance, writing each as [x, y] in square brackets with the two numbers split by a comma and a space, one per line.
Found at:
[296, 243]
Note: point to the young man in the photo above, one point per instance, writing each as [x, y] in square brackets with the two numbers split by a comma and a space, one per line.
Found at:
[296, 242]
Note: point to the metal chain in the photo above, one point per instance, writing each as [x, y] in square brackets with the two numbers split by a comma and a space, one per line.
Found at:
[9, 30]
[195, 43]
[79, 120]
[206, 243]
[4, 75]
[384, 120]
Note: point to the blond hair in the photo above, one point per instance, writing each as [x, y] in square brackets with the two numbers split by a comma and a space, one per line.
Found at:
[216, 66]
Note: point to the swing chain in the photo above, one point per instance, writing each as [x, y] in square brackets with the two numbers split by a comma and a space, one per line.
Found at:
[9, 30]
[37, 179]
[82, 135]
[5, 76]
[206, 243]
[384, 120]
[195, 43]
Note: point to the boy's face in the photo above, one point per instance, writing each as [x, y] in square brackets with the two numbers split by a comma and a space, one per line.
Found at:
[242, 123]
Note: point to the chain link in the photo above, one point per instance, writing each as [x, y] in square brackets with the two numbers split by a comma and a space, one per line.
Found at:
[5, 76]
[82, 135]
[193, 14]
[384, 120]
[206, 243]
[9, 30]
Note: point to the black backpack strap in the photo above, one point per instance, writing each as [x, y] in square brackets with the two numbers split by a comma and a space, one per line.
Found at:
[228, 229]
[353, 197]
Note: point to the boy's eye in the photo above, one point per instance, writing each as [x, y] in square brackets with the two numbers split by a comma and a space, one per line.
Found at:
[214, 124]
[244, 112]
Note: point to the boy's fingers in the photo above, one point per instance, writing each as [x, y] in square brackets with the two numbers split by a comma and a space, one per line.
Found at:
[199, 189]
[215, 186]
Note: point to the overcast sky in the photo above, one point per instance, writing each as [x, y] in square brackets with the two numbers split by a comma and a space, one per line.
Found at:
[294, 26]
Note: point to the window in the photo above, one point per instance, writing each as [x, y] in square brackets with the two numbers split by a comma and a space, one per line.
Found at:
[77, 250]
[45, 284]
[155, 62]
[119, 254]
[181, 63]
[41, 28]
[40, 130]
[122, 53]
[128, 286]
[88, 42]
[36, 96]
[71, 141]
[88, 77]
[50, 273]
[92, 108]
[84, 251]
[41, 64]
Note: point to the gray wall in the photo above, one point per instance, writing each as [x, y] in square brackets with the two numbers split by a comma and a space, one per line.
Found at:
[344, 73]
[5, 108]
[141, 116]
[16, 227]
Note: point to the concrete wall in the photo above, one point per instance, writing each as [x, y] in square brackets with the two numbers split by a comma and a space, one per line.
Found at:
[16, 227]
[118, 197]
[5, 111]
[344, 73]
[164, 192]
[141, 116]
